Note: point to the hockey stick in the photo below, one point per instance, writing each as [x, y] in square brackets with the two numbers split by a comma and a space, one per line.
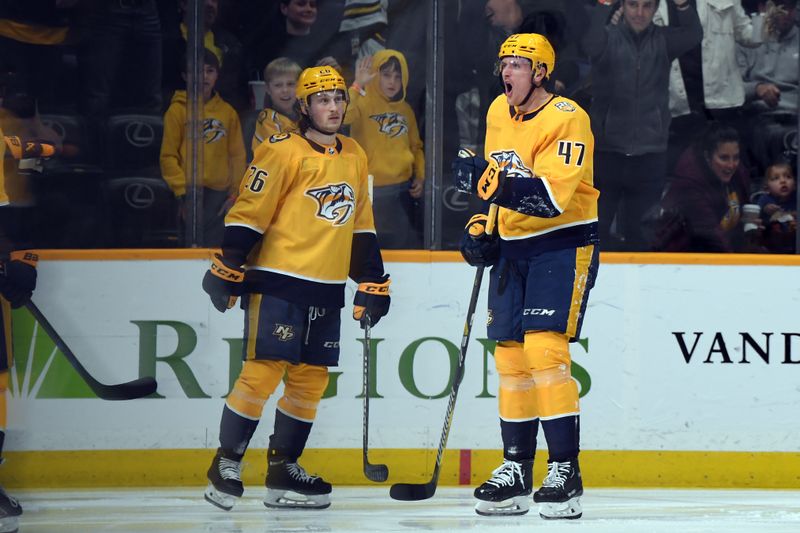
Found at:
[137, 388]
[423, 491]
[374, 472]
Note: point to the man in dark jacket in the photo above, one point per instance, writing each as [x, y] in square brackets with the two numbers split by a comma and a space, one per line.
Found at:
[630, 114]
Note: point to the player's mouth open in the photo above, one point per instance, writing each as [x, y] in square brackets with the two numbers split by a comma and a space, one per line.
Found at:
[509, 88]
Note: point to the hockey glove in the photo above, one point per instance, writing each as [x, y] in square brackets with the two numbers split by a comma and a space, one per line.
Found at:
[18, 278]
[478, 248]
[372, 299]
[490, 184]
[467, 168]
[223, 283]
[20, 149]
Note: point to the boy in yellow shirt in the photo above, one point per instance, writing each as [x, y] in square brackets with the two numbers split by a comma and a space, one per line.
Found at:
[383, 123]
[280, 116]
[224, 155]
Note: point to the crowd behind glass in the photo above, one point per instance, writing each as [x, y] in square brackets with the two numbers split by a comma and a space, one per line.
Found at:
[696, 138]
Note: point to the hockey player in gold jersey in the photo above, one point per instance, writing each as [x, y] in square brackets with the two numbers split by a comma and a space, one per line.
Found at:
[17, 282]
[301, 225]
[538, 170]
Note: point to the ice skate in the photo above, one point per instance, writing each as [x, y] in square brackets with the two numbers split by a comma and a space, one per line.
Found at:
[507, 491]
[559, 497]
[289, 486]
[10, 510]
[224, 482]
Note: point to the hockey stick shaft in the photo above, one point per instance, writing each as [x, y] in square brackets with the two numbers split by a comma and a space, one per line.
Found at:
[373, 472]
[137, 388]
[413, 491]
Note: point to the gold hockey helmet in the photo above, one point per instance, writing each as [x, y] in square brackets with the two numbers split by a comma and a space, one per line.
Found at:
[531, 46]
[318, 79]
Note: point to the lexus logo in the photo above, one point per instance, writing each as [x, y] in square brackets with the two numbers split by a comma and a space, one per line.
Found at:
[139, 195]
[139, 134]
[455, 200]
[56, 126]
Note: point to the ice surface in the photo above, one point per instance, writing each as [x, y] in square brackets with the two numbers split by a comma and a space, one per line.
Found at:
[369, 509]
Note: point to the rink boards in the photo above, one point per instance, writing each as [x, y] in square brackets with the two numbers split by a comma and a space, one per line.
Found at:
[688, 368]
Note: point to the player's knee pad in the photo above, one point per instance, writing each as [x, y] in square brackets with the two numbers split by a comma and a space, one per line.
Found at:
[305, 385]
[516, 395]
[257, 381]
[556, 391]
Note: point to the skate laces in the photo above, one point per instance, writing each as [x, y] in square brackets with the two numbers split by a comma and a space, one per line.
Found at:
[299, 473]
[230, 469]
[556, 474]
[506, 474]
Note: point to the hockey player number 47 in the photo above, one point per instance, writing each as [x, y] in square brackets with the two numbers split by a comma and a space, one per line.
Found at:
[567, 149]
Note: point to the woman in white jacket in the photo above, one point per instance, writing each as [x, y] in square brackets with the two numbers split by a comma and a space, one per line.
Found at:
[708, 85]
[724, 25]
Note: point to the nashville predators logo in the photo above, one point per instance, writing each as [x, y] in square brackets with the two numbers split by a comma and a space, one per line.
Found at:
[213, 130]
[489, 317]
[565, 106]
[283, 332]
[509, 161]
[335, 203]
[391, 124]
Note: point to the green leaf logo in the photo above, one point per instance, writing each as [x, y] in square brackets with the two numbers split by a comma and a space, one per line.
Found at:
[40, 369]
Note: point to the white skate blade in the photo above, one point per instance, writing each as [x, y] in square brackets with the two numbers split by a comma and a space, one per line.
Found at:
[221, 499]
[568, 510]
[287, 499]
[9, 524]
[518, 505]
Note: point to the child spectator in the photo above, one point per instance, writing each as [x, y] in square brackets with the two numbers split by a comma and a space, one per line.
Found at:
[279, 115]
[224, 156]
[385, 126]
[779, 208]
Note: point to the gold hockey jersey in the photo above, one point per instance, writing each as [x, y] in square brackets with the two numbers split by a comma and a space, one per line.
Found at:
[270, 122]
[307, 201]
[548, 154]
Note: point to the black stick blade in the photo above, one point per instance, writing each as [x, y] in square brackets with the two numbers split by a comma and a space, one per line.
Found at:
[138, 388]
[377, 473]
[409, 492]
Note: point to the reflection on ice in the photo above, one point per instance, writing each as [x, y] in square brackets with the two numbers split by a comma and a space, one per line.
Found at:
[361, 509]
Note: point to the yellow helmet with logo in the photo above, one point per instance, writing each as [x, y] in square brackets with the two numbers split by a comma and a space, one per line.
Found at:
[531, 46]
[317, 79]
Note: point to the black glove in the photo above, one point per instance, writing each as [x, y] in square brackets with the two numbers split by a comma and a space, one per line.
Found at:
[18, 278]
[223, 283]
[372, 299]
[478, 248]
[467, 169]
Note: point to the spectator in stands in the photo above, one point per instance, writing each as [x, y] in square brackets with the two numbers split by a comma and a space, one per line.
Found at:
[280, 114]
[779, 208]
[31, 37]
[232, 83]
[705, 82]
[224, 156]
[385, 126]
[295, 32]
[706, 193]
[630, 110]
[119, 56]
[365, 28]
[771, 83]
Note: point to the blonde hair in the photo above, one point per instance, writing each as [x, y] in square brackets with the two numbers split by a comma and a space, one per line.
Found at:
[280, 67]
